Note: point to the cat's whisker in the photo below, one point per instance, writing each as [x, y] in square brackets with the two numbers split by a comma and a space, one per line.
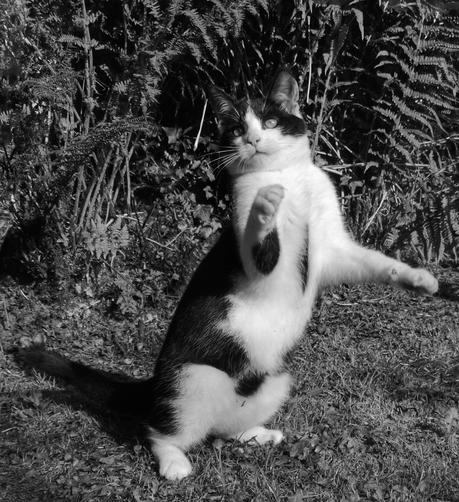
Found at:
[224, 162]
[222, 159]
[225, 154]
[229, 158]
[219, 152]
[223, 166]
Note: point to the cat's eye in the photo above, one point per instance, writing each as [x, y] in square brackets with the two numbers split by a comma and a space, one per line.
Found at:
[237, 131]
[270, 123]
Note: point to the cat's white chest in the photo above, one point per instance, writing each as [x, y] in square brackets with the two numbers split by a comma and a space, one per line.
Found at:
[294, 208]
[269, 312]
[267, 326]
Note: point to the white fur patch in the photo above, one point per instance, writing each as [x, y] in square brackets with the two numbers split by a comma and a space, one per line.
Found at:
[269, 312]
[209, 404]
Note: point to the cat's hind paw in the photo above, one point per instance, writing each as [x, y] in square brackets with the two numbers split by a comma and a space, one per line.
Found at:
[418, 280]
[260, 435]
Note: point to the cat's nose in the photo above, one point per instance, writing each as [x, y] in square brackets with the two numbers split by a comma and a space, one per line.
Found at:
[253, 139]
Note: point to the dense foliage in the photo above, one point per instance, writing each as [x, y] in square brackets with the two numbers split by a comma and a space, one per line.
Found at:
[101, 103]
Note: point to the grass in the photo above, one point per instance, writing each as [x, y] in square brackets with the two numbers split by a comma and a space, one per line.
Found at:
[373, 415]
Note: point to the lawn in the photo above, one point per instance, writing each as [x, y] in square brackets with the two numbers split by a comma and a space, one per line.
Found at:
[374, 413]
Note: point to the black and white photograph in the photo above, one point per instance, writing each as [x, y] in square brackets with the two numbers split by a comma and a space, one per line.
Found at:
[229, 251]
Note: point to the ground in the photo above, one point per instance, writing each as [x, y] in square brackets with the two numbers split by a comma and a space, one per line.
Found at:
[374, 413]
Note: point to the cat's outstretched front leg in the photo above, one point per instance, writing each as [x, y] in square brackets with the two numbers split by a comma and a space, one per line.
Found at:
[351, 262]
[260, 243]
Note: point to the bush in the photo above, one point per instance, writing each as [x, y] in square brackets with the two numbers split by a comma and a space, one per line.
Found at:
[101, 104]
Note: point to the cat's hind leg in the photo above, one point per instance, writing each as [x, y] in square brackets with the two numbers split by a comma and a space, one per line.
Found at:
[248, 413]
[208, 404]
[204, 396]
[201, 397]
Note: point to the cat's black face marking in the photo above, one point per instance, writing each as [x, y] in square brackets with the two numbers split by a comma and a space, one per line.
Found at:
[287, 123]
[270, 114]
[266, 254]
[250, 383]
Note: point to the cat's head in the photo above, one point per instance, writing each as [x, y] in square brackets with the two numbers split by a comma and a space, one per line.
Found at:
[255, 131]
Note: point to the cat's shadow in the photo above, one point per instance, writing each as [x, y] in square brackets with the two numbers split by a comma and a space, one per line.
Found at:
[449, 290]
[124, 430]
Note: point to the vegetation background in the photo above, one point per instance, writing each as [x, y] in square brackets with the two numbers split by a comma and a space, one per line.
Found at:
[101, 103]
[110, 192]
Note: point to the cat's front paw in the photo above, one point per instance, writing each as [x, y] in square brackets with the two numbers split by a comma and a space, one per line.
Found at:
[418, 280]
[266, 203]
[175, 468]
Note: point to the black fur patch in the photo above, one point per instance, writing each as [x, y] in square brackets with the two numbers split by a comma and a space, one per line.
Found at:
[195, 335]
[164, 391]
[216, 273]
[229, 122]
[248, 384]
[266, 254]
[289, 124]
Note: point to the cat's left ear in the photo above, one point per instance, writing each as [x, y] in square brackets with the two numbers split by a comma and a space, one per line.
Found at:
[221, 104]
[285, 93]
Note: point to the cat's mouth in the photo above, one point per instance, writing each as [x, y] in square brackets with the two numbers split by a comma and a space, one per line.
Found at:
[251, 151]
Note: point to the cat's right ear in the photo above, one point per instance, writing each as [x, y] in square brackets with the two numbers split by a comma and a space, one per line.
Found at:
[221, 104]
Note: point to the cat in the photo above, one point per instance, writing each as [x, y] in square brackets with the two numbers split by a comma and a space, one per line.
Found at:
[221, 371]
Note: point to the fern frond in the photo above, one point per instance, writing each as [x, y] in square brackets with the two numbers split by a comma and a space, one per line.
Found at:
[199, 22]
[415, 115]
[71, 39]
[425, 97]
[152, 7]
[175, 8]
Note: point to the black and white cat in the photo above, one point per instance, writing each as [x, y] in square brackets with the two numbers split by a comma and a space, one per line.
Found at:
[221, 370]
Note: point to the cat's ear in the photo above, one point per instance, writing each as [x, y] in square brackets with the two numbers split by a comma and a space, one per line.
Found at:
[221, 104]
[285, 93]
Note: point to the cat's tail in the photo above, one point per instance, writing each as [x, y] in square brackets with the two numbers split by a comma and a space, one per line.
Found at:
[117, 393]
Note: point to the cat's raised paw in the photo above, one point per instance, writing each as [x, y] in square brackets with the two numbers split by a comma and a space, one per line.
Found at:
[267, 202]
